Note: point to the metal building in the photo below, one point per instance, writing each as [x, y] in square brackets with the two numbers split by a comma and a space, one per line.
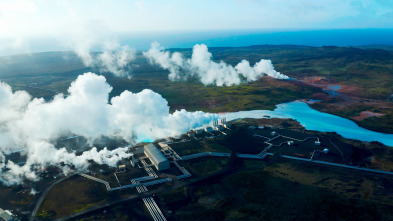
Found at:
[133, 160]
[208, 129]
[190, 134]
[219, 128]
[199, 131]
[156, 157]
[227, 125]
[6, 215]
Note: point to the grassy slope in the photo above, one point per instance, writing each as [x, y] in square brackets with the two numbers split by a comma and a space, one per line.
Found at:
[279, 194]
[83, 194]
[370, 71]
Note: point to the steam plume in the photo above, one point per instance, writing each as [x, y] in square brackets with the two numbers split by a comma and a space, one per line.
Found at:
[114, 57]
[202, 66]
[32, 125]
[114, 60]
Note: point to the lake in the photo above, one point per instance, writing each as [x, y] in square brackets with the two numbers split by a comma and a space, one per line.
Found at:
[315, 120]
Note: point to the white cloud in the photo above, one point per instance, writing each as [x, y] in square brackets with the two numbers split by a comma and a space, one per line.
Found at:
[32, 125]
[113, 57]
[260, 68]
[116, 62]
[209, 72]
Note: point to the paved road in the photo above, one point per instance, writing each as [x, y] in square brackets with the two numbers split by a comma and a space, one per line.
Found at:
[339, 165]
[43, 195]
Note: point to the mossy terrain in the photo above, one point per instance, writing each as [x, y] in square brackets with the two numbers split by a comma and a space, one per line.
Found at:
[71, 196]
[368, 69]
[199, 146]
[205, 166]
[260, 194]
[131, 211]
[367, 72]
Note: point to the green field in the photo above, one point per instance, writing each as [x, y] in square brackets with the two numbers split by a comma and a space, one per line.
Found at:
[367, 72]
[76, 194]
[261, 195]
[202, 145]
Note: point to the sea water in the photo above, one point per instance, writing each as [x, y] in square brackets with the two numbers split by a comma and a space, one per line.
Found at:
[237, 38]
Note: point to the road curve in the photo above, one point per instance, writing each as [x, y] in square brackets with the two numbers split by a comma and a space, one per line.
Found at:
[43, 195]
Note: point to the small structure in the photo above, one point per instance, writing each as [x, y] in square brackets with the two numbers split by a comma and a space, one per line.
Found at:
[136, 150]
[158, 159]
[219, 128]
[134, 161]
[199, 131]
[273, 133]
[190, 134]
[317, 143]
[209, 129]
[326, 150]
[227, 125]
[6, 215]
[290, 142]
[298, 155]
[102, 171]
[251, 127]
[163, 145]
[122, 167]
[260, 127]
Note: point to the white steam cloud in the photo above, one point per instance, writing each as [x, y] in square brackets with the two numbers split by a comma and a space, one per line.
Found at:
[202, 66]
[32, 125]
[88, 37]
[114, 59]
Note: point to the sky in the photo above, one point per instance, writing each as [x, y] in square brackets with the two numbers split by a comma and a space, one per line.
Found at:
[28, 24]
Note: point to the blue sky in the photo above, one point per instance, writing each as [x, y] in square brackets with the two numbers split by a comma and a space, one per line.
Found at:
[22, 21]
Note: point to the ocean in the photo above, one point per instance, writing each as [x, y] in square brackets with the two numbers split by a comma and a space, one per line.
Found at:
[236, 38]
[227, 38]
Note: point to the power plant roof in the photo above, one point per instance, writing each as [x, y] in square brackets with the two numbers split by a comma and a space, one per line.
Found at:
[155, 155]
[5, 215]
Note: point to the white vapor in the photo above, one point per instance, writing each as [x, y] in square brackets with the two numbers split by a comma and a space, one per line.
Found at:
[202, 66]
[116, 62]
[113, 59]
[32, 125]
[87, 37]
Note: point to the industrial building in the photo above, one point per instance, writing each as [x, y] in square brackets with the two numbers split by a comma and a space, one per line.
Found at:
[134, 161]
[219, 128]
[209, 129]
[227, 125]
[122, 167]
[199, 131]
[163, 145]
[156, 157]
[190, 134]
[6, 215]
